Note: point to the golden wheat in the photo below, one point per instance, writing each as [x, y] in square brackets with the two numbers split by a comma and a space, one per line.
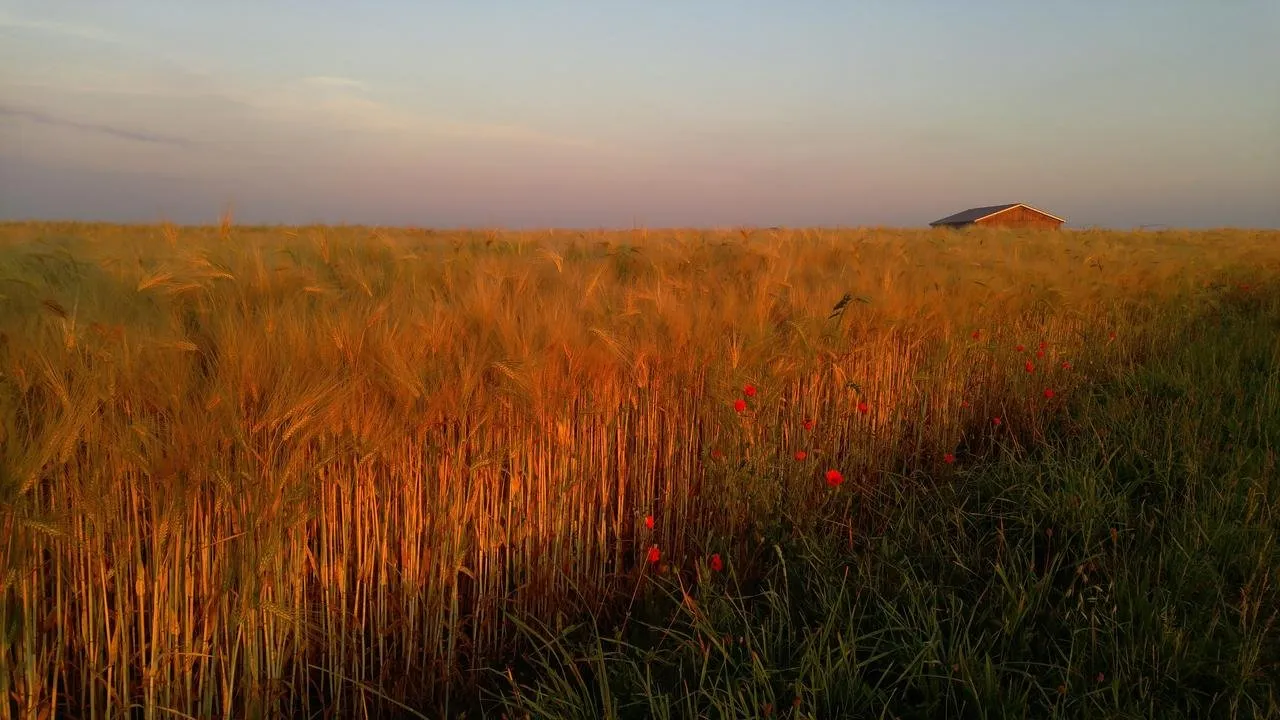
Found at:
[255, 470]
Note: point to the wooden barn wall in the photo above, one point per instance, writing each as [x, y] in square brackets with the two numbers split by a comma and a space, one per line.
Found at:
[1020, 217]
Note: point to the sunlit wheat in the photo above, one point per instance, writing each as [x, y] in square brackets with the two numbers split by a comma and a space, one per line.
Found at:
[254, 472]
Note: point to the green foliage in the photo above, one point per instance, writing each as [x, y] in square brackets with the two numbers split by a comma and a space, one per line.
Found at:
[1128, 567]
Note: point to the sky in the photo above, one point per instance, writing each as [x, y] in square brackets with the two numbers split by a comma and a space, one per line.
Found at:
[594, 113]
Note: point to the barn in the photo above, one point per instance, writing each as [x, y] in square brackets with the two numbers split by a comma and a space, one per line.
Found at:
[1010, 215]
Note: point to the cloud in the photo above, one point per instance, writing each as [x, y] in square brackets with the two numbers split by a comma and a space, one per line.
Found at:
[44, 118]
[225, 122]
[348, 101]
[342, 103]
[47, 27]
[327, 81]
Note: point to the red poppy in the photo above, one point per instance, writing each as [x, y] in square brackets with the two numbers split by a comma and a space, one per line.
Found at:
[654, 555]
[1031, 367]
[648, 521]
[716, 563]
[740, 405]
[948, 458]
[863, 407]
[964, 403]
[1112, 336]
[750, 390]
[808, 424]
[834, 478]
[976, 333]
[997, 421]
[1049, 393]
[800, 454]
[716, 455]
[1041, 344]
[1066, 365]
[1039, 353]
[1020, 347]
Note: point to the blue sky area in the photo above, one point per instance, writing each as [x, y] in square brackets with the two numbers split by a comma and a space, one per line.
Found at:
[702, 112]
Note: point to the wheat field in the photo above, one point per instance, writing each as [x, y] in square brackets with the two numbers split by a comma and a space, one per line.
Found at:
[260, 471]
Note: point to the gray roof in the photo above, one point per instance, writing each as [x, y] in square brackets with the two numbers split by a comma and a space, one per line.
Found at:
[976, 214]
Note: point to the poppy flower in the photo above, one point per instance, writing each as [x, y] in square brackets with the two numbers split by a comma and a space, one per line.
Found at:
[1039, 353]
[740, 405]
[716, 563]
[834, 478]
[648, 521]
[800, 454]
[1049, 393]
[976, 334]
[1031, 367]
[863, 407]
[1020, 347]
[997, 421]
[948, 458]
[750, 390]
[1066, 365]
[654, 555]
[808, 424]
[1041, 345]
[717, 455]
[964, 403]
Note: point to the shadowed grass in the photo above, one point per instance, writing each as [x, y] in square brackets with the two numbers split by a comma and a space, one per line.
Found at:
[1127, 567]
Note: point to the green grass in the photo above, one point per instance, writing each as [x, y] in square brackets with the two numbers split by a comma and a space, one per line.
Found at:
[1127, 567]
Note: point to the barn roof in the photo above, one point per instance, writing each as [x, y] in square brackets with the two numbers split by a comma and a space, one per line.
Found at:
[975, 214]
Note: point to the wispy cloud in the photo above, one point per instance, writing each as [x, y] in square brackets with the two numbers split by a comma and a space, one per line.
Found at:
[44, 118]
[348, 101]
[48, 27]
[250, 114]
[329, 81]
